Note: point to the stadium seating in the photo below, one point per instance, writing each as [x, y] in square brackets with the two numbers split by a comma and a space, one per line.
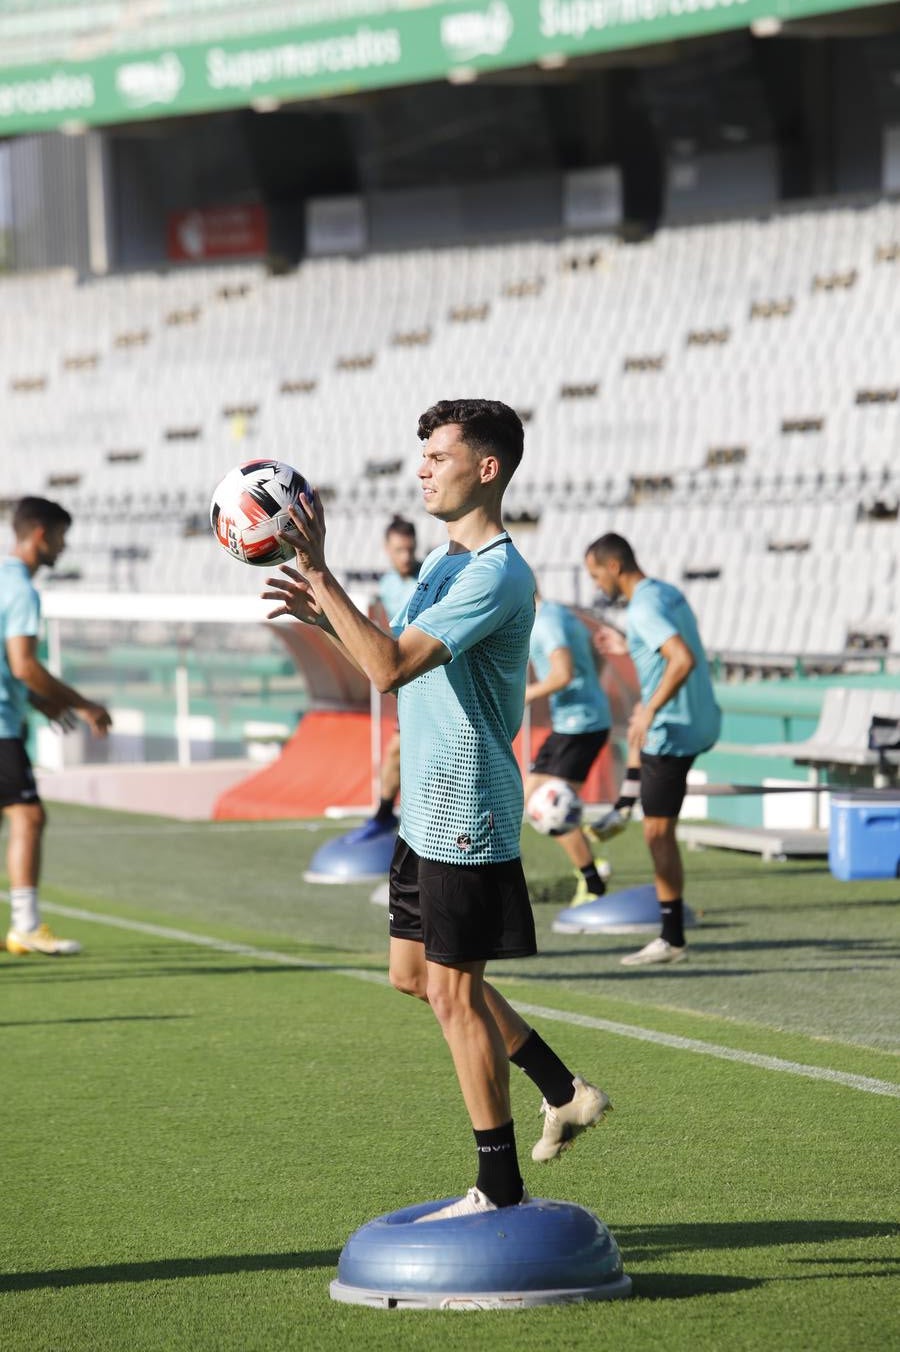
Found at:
[725, 395]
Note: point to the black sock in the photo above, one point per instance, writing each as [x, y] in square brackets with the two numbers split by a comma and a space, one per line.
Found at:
[542, 1066]
[594, 881]
[630, 789]
[498, 1165]
[385, 810]
[673, 922]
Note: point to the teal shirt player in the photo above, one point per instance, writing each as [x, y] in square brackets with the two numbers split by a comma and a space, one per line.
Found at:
[20, 617]
[582, 705]
[691, 720]
[394, 591]
[462, 787]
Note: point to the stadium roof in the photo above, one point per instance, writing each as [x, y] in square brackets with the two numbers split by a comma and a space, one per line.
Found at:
[107, 61]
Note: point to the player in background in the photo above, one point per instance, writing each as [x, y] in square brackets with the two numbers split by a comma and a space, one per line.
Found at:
[565, 665]
[458, 656]
[395, 588]
[676, 720]
[40, 533]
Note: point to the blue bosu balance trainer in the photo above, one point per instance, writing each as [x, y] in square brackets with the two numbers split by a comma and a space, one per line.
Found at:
[361, 855]
[539, 1253]
[634, 910]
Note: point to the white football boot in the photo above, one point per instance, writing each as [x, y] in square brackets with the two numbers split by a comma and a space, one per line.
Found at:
[586, 1109]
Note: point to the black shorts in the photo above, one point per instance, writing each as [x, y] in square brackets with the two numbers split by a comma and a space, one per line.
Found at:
[16, 775]
[570, 755]
[663, 784]
[460, 912]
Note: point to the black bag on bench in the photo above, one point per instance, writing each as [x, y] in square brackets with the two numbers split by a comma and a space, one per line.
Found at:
[884, 734]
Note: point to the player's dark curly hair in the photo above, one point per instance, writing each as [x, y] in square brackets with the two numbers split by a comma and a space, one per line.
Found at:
[31, 512]
[488, 426]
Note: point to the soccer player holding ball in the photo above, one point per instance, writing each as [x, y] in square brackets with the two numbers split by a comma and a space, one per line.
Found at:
[458, 655]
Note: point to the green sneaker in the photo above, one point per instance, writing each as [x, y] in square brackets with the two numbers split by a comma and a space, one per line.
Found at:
[583, 893]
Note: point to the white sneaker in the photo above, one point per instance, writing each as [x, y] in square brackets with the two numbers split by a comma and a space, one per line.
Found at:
[41, 940]
[475, 1203]
[659, 950]
[613, 824]
[561, 1125]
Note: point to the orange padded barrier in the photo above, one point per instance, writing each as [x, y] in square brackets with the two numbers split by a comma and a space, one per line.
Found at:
[327, 761]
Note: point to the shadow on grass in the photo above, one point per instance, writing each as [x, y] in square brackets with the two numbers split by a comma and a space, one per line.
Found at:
[651, 1243]
[168, 1269]
[877, 948]
[84, 972]
[109, 1018]
[686, 1285]
[699, 946]
[642, 1243]
[682, 973]
[842, 904]
[639, 1243]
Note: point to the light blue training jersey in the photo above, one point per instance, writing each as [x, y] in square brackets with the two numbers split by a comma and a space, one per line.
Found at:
[394, 591]
[582, 705]
[462, 787]
[691, 720]
[20, 617]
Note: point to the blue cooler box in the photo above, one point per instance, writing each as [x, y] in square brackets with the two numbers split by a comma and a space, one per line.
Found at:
[864, 839]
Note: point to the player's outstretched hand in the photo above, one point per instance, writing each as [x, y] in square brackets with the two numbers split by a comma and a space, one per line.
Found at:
[295, 597]
[610, 642]
[98, 719]
[306, 535]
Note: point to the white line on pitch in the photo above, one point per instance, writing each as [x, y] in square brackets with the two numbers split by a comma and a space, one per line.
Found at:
[865, 1083]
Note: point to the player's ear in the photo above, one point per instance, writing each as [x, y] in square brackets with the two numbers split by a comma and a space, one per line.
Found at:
[490, 469]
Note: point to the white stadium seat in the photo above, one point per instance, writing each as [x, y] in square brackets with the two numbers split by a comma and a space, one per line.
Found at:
[712, 393]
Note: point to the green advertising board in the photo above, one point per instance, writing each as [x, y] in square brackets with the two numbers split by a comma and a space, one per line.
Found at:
[388, 47]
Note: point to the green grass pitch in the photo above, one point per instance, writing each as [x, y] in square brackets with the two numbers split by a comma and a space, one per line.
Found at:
[190, 1133]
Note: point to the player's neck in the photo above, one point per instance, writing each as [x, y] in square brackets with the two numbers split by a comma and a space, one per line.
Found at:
[629, 582]
[28, 556]
[473, 530]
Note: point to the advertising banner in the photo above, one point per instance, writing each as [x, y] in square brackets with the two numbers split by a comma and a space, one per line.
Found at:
[217, 232]
[387, 47]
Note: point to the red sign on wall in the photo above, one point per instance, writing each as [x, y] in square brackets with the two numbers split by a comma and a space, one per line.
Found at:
[218, 232]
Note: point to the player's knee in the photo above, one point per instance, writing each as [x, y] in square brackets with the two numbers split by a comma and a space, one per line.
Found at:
[659, 831]
[409, 983]
[28, 819]
[444, 1002]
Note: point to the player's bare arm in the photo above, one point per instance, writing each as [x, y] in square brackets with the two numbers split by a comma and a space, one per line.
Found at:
[680, 663]
[387, 661]
[297, 600]
[560, 675]
[21, 653]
